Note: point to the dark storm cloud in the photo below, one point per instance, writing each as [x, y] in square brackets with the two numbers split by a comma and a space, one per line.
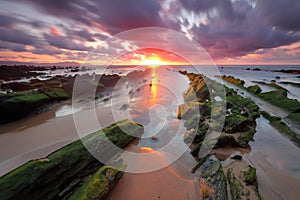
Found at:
[12, 47]
[65, 43]
[240, 28]
[48, 51]
[16, 36]
[6, 21]
[120, 15]
[9, 20]
[83, 34]
[114, 15]
[283, 14]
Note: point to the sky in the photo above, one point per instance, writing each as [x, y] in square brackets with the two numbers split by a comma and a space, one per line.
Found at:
[233, 32]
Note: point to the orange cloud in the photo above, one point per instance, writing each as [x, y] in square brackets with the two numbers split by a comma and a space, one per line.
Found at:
[55, 31]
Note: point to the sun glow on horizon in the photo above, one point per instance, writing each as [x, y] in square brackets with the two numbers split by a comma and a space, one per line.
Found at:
[150, 57]
[153, 61]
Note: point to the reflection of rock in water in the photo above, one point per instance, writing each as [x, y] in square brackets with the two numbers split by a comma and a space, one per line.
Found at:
[124, 107]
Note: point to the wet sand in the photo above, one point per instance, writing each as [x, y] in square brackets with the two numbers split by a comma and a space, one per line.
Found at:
[166, 183]
[277, 162]
[162, 184]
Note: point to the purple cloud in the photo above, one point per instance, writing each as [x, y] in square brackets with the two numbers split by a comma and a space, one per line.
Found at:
[283, 14]
[16, 36]
[114, 15]
[240, 28]
[65, 43]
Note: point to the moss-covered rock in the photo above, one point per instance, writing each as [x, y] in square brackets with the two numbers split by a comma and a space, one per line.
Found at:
[236, 123]
[48, 177]
[213, 175]
[55, 93]
[250, 176]
[255, 89]
[16, 105]
[291, 83]
[198, 90]
[199, 163]
[234, 185]
[240, 118]
[195, 149]
[279, 98]
[226, 140]
[99, 185]
[294, 117]
[272, 84]
[238, 189]
[193, 121]
[188, 110]
[233, 80]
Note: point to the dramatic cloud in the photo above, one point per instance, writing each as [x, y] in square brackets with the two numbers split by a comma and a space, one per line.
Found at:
[114, 15]
[6, 21]
[65, 43]
[227, 29]
[16, 36]
[236, 29]
[283, 14]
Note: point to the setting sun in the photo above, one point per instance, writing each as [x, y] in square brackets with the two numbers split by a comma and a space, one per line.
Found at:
[150, 57]
[153, 62]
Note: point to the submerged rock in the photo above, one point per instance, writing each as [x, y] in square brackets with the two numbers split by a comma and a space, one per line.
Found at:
[237, 157]
[154, 137]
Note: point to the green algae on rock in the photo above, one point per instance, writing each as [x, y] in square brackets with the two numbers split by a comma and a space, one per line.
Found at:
[255, 89]
[234, 185]
[233, 80]
[48, 177]
[279, 98]
[294, 117]
[272, 84]
[98, 185]
[250, 178]
[16, 105]
[242, 186]
[212, 176]
[240, 117]
[187, 110]
[276, 97]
